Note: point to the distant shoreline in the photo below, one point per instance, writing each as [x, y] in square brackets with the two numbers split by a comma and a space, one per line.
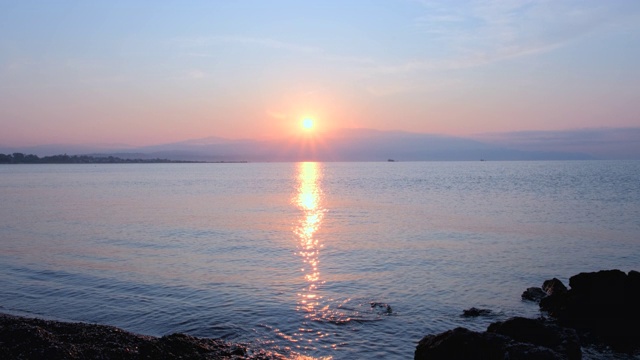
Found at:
[19, 158]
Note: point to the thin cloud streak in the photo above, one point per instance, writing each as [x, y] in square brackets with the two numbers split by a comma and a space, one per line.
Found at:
[476, 34]
[472, 61]
[485, 32]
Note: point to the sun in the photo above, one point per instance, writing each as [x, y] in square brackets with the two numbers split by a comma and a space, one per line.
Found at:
[307, 123]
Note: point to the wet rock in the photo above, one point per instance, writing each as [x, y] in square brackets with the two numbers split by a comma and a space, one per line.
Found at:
[461, 343]
[556, 298]
[604, 305]
[25, 338]
[554, 286]
[607, 304]
[381, 308]
[563, 341]
[528, 352]
[534, 294]
[555, 304]
[601, 305]
[475, 312]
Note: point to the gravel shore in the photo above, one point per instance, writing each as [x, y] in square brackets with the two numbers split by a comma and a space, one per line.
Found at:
[27, 338]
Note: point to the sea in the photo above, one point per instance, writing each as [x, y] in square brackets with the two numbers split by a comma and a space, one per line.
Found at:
[308, 260]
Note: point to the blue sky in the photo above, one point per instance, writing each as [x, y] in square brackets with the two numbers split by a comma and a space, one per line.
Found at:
[145, 72]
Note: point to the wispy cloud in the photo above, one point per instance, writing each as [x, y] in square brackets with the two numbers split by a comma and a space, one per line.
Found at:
[479, 33]
[453, 35]
[467, 61]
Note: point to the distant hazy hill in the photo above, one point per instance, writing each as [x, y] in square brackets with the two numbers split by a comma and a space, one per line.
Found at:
[374, 145]
[601, 143]
[349, 145]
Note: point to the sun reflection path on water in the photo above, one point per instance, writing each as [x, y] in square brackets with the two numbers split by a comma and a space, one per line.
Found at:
[318, 311]
[309, 200]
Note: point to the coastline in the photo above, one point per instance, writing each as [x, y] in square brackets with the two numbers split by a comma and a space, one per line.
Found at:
[33, 338]
[599, 308]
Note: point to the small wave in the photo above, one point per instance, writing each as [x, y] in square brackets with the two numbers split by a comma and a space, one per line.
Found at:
[342, 312]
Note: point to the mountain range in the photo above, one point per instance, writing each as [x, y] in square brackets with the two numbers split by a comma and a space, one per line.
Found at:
[375, 145]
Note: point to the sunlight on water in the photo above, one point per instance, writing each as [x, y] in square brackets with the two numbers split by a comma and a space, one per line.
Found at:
[309, 201]
[319, 308]
[309, 260]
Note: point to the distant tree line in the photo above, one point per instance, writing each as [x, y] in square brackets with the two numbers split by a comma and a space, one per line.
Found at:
[20, 158]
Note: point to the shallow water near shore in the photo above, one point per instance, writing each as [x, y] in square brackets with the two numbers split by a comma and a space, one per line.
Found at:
[326, 260]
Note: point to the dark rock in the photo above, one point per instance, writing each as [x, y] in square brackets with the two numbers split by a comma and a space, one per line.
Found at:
[535, 331]
[462, 344]
[381, 308]
[475, 312]
[25, 338]
[528, 352]
[603, 305]
[533, 294]
[516, 338]
[554, 286]
[633, 292]
[554, 304]
[593, 282]
[556, 298]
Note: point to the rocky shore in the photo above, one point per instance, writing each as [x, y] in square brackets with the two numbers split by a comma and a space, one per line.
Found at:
[601, 308]
[26, 338]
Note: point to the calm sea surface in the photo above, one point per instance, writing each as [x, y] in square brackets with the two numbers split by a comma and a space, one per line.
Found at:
[327, 260]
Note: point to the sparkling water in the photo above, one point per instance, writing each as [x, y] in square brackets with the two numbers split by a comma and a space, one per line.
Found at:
[322, 260]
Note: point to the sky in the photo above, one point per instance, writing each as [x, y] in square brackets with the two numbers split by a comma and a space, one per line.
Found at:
[150, 72]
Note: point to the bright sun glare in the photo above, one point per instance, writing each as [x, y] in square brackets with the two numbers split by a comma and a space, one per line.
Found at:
[307, 123]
